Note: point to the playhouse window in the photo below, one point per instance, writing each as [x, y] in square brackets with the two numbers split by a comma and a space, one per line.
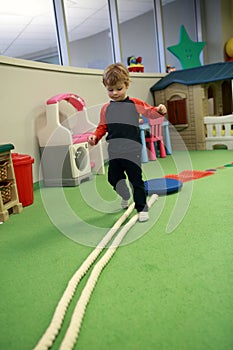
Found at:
[227, 97]
[177, 113]
[211, 101]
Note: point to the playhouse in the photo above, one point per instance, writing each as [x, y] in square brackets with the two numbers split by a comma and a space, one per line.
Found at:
[194, 94]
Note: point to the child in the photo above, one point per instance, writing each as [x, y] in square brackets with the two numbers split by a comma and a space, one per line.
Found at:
[120, 119]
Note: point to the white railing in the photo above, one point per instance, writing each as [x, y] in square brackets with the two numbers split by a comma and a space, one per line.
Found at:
[219, 131]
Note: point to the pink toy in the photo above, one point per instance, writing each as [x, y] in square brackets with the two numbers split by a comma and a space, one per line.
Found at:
[78, 138]
[76, 101]
[66, 157]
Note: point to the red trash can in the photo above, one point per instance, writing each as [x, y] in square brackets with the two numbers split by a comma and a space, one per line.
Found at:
[23, 175]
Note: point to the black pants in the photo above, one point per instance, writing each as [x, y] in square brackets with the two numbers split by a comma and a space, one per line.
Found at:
[117, 171]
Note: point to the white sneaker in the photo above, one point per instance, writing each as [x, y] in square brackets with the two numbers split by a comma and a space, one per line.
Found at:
[124, 204]
[143, 216]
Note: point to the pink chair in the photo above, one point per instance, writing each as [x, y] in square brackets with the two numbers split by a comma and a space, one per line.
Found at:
[155, 135]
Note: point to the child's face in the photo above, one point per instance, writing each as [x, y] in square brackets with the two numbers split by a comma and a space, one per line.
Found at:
[117, 92]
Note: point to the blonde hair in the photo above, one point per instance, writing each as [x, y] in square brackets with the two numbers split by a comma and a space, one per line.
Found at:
[115, 73]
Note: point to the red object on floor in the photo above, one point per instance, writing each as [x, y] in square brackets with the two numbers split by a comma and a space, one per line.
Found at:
[23, 174]
[188, 175]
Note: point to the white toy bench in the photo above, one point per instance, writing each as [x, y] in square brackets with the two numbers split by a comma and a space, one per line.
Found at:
[219, 131]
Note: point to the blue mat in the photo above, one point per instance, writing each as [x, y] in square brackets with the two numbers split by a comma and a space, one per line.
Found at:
[162, 186]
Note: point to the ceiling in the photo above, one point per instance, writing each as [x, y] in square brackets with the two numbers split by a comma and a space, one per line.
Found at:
[27, 27]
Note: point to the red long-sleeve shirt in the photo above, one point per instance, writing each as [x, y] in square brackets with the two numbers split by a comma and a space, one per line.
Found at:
[121, 121]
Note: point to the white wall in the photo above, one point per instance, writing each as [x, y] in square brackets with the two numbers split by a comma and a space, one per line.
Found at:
[26, 86]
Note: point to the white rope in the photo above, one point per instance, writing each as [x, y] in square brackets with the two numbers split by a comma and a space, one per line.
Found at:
[73, 330]
[50, 334]
[71, 336]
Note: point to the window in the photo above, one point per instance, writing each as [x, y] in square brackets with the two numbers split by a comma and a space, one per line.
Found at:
[27, 30]
[211, 101]
[185, 14]
[227, 97]
[88, 33]
[176, 110]
[137, 32]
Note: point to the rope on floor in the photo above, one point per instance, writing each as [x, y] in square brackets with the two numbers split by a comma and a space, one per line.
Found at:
[50, 334]
[73, 330]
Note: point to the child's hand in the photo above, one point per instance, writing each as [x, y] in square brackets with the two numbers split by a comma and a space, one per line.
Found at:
[162, 109]
[92, 140]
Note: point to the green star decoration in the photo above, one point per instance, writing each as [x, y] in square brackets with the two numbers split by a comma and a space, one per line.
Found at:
[187, 51]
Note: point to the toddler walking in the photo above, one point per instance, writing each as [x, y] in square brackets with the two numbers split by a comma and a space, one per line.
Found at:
[119, 118]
